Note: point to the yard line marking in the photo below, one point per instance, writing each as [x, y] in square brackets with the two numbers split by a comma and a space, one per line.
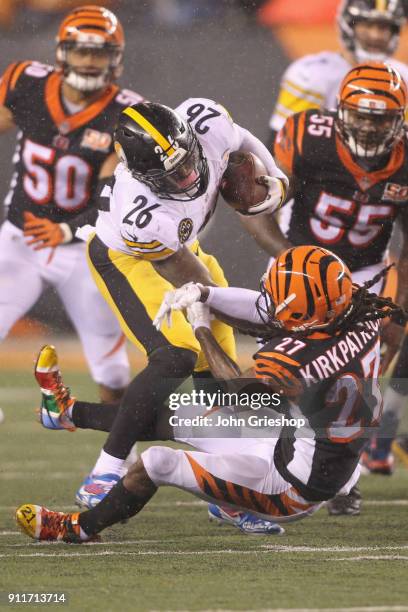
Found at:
[141, 553]
[307, 549]
[374, 558]
[358, 609]
[6, 533]
[46, 543]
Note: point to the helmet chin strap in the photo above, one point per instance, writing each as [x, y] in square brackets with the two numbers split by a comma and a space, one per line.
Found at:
[85, 83]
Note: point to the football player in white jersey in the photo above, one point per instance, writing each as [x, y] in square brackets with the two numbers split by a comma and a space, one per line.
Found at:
[145, 242]
[369, 30]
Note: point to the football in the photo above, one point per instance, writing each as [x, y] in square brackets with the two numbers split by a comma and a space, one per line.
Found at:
[238, 184]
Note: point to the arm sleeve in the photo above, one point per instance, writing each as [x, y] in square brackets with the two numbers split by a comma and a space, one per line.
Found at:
[235, 302]
[251, 143]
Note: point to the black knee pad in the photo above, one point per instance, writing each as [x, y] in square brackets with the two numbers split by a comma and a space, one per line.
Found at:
[173, 362]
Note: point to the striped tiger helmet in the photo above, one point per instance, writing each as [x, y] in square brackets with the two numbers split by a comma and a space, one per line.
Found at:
[90, 28]
[306, 288]
[352, 12]
[371, 105]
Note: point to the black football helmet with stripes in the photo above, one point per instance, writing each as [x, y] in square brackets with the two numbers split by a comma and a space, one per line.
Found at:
[351, 12]
[160, 149]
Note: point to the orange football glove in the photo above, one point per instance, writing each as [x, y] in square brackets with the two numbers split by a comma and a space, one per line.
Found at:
[43, 232]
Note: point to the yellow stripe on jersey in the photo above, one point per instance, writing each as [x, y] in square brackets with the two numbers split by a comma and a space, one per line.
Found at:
[163, 254]
[292, 104]
[150, 129]
[153, 244]
[305, 92]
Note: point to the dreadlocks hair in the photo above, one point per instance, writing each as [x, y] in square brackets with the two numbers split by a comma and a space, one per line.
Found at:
[367, 306]
[364, 306]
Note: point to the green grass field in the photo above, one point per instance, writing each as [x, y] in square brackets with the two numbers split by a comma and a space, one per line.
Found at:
[170, 557]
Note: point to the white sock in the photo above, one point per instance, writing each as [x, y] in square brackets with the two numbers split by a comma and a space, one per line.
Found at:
[131, 458]
[107, 464]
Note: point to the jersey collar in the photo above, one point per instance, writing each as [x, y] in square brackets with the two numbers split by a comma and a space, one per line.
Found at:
[67, 123]
[364, 178]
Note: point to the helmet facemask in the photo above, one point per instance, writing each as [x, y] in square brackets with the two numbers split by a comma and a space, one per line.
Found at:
[369, 132]
[185, 174]
[306, 289]
[94, 79]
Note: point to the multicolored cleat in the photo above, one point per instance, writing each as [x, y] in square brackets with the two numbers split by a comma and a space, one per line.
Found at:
[246, 522]
[56, 398]
[40, 523]
[94, 489]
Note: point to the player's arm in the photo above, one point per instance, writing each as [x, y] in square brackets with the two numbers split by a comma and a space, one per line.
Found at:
[265, 229]
[393, 333]
[235, 306]
[183, 267]
[6, 119]
[221, 365]
[44, 233]
[299, 91]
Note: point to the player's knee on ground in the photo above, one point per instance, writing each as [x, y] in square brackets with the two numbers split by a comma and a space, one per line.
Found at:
[166, 466]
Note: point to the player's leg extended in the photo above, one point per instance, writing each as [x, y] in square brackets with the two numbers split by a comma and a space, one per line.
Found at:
[20, 277]
[134, 291]
[102, 339]
[244, 482]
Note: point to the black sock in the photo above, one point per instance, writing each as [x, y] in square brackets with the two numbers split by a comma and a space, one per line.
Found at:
[119, 505]
[89, 415]
[168, 367]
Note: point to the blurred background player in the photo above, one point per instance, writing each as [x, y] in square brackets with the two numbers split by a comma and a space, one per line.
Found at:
[145, 243]
[348, 171]
[368, 30]
[65, 116]
[307, 303]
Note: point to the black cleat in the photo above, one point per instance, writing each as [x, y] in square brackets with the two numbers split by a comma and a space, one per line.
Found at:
[346, 504]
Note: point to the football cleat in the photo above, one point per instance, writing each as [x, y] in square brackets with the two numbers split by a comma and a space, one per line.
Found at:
[42, 524]
[56, 399]
[94, 489]
[246, 522]
[374, 465]
[400, 448]
[349, 505]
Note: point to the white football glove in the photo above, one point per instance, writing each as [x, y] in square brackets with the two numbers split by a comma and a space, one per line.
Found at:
[198, 315]
[178, 299]
[274, 198]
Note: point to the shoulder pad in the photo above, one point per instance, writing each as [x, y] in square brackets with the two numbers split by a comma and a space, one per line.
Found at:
[128, 97]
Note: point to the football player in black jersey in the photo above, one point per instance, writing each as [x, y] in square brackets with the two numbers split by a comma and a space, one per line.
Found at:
[65, 115]
[323, 358]
[349, 184]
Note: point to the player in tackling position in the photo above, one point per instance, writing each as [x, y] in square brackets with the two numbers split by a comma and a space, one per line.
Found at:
[66, 117]
[144, 244]
[323, 357]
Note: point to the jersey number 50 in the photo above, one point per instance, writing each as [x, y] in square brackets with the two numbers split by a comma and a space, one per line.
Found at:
[66, 183]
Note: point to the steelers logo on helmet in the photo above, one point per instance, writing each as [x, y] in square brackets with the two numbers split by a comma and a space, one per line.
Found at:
[162, 151]
[90, 45]
[371, 108]
[306, 289]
